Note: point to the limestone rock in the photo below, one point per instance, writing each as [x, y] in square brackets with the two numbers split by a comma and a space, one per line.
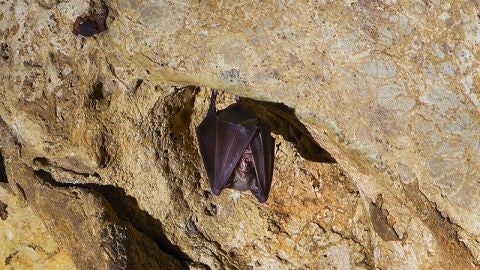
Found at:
[99, 131]
[26, 243]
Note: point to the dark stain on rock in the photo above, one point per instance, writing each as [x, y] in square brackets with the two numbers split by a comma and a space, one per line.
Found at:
[380, 222]
[41, 161]
[211, 210]
[3, 210]
[10, 257]
[93, 22]
[22, 191]
[4, 51]
[98, 99]
[273, 226]
[138, 84]
[453, 251]
[3, 171]
[97, 93]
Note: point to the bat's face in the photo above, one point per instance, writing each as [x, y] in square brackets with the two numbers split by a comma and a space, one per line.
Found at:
[244, 176]
[237, 150]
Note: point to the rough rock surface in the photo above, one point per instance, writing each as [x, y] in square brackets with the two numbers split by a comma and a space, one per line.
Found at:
[26, 243]
[97, 133]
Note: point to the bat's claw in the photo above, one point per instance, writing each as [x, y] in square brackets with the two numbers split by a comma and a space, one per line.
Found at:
[214, 93]
[237, 98]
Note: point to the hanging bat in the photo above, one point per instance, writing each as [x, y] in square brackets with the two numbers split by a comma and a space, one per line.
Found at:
[237, 149]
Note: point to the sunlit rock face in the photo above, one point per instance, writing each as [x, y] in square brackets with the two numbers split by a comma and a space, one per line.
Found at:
[99, 130]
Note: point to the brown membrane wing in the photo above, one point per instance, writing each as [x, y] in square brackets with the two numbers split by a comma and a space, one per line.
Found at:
[263, 145]
[232, 140]
[223, 137]
[206, 135]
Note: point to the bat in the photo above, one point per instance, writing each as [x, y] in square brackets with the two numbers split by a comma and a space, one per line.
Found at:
[237, 149]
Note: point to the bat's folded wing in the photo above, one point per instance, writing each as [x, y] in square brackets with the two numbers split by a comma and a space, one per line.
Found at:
[206, 135]
[232, 140]
[222, 144]
[263, 146]
[223, 137]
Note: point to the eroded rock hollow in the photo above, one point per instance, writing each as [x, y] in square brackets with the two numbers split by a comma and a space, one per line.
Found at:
[373, 105]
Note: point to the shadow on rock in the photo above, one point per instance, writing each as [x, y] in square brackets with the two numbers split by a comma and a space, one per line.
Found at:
[283, 121]
[3, 172]
[126, 209]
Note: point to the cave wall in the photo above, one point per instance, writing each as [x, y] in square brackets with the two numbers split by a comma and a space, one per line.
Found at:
[98, 131]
